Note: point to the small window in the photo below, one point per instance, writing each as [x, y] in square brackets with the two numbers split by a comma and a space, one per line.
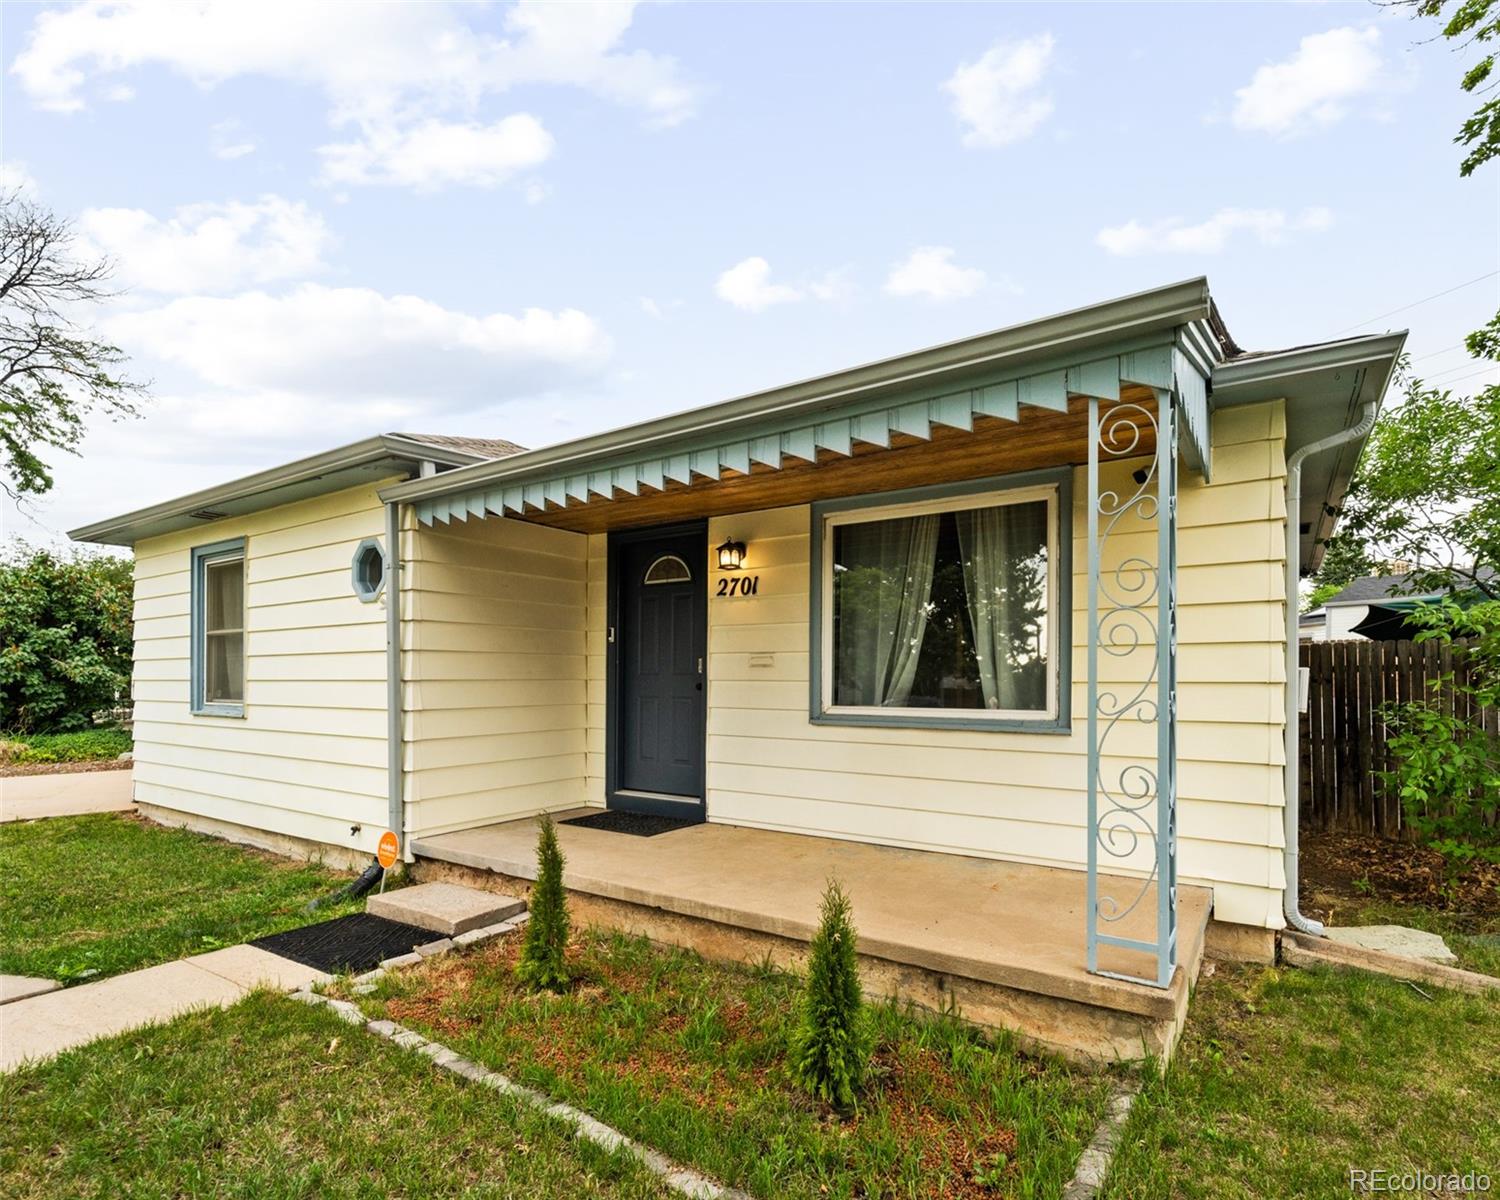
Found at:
[218, 623]
[668, 569]
[368, 570]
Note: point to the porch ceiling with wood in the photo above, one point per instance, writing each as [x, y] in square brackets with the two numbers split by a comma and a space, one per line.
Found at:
[992, 426]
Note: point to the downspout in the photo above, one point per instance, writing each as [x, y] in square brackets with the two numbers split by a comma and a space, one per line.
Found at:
[1290, 898]
[395, 799]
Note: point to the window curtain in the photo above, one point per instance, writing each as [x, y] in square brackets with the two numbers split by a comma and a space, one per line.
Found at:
[884, 593]
[994, 543]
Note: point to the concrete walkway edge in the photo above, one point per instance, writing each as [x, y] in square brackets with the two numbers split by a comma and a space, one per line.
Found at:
[683, 1180]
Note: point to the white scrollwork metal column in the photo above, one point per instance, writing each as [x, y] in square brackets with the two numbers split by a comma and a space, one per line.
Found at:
[1132, 800]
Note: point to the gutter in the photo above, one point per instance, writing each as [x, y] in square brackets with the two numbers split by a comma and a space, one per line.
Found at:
[1290, 898]
[395, 793]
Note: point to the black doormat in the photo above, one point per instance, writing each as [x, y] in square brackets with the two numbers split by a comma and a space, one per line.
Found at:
[613, 820]
[353, 943]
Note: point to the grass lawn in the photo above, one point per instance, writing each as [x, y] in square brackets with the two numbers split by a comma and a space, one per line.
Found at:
[1285, 1079]
[688, 1057]
[110, 893]
[271, 1100]
[84, 745]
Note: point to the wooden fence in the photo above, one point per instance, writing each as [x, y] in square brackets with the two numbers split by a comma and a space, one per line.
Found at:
[1343, 738]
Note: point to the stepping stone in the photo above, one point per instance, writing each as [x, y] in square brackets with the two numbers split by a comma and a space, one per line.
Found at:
[444, 908]
[18, 987]
[1395, 939]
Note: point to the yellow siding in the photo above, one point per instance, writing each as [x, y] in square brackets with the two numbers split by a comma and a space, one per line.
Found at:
[1016, 795]
[493, 672]
[308, 757]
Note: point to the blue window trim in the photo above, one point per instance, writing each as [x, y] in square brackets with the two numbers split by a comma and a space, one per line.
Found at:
[365, 594]
[1060, 722]
[201, 555]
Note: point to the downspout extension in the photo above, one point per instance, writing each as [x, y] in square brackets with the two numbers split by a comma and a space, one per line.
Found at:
[395, 799]
[1291, 904]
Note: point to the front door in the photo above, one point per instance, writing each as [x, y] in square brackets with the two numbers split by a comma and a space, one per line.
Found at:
[659, 644]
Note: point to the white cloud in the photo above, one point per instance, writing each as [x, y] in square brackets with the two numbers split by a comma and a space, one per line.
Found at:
[373, 59]
[14, 177]
[930, 271]
[1314, 86]
[364, 347]
[747, 285]
[998, 97]
[651, 308]
[227, 140]
[208, 247]
[434, 154]
[1173, 236]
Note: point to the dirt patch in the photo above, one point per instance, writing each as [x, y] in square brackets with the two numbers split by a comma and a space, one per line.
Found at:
[63, 768]
[1341, 871]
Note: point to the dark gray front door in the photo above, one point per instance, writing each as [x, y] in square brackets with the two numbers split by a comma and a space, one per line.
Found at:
[660, 634]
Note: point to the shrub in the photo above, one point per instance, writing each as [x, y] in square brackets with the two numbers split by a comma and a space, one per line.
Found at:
[543, 962]
[87, 745]
[831, 1045]
[65, 636]
[1447, 767]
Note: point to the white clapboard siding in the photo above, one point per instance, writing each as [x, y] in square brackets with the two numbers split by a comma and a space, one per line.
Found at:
[1017, 795]
[307, 759]
[493, 673]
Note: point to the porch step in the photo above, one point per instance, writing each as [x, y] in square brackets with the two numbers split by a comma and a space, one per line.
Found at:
[444, 908]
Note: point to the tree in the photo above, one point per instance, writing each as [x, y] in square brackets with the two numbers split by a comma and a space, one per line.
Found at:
[1346, 557]
[1428, 491]
[831, 1046]
[543, 962]
[65, 637]
[53, 372]
[1473, 23]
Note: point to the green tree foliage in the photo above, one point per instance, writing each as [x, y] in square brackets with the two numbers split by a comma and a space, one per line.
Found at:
[1447, 771]
[1428, 491]
[65, 636]
[1473, 23]
[53, 373]
[831, 1047]
[544, 953]
[1346, 558]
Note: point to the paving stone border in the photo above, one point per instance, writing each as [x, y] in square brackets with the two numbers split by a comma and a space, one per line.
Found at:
[680, 1179]
[1093, 1164]
[473, 937]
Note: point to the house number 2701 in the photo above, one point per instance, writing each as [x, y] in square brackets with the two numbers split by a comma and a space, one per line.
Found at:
[738, 585]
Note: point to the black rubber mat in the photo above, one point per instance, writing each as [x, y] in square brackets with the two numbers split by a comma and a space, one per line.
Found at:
[614, 821]
[353, 943]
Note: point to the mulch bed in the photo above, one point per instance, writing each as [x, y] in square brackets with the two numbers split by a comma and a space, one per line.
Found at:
[1343, 870]
[14, 770]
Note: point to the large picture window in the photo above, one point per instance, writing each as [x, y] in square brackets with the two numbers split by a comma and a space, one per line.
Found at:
[218, 620]
[942, 610]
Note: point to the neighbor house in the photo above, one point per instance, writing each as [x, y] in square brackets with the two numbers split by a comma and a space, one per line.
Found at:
[998, 631]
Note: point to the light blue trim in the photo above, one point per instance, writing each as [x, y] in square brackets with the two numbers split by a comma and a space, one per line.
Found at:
[201, 555]
[366, 594]
[1060, 722]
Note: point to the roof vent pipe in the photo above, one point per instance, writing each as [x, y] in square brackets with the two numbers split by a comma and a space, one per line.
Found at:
[1290, 901]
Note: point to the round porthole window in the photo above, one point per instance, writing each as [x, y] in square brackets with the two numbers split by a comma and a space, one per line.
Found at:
[368, 570]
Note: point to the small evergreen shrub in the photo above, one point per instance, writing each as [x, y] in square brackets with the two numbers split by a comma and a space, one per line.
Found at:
[831, 1046]
[543, 962]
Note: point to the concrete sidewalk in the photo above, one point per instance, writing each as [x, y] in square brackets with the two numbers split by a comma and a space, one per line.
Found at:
[44, 1026]
[64, 794]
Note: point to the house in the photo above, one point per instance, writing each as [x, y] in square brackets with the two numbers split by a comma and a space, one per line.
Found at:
[1002, 628]
[1373, 606]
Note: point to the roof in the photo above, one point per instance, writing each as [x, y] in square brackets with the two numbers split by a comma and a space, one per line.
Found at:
[376, 458]
[1325, 385]
[1372, 589]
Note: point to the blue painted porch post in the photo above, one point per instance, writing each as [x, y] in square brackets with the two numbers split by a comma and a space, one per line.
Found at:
[1093, 687]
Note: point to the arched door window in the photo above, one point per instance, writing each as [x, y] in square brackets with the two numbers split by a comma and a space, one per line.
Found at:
[668, 569]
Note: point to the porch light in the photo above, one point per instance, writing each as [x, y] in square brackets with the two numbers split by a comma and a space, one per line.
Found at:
[731, 555]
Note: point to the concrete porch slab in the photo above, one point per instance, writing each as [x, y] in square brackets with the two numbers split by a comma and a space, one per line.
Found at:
[1011, 926]
[443, 907]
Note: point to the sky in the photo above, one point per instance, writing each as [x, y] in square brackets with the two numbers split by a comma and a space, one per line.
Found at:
[539, 221]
